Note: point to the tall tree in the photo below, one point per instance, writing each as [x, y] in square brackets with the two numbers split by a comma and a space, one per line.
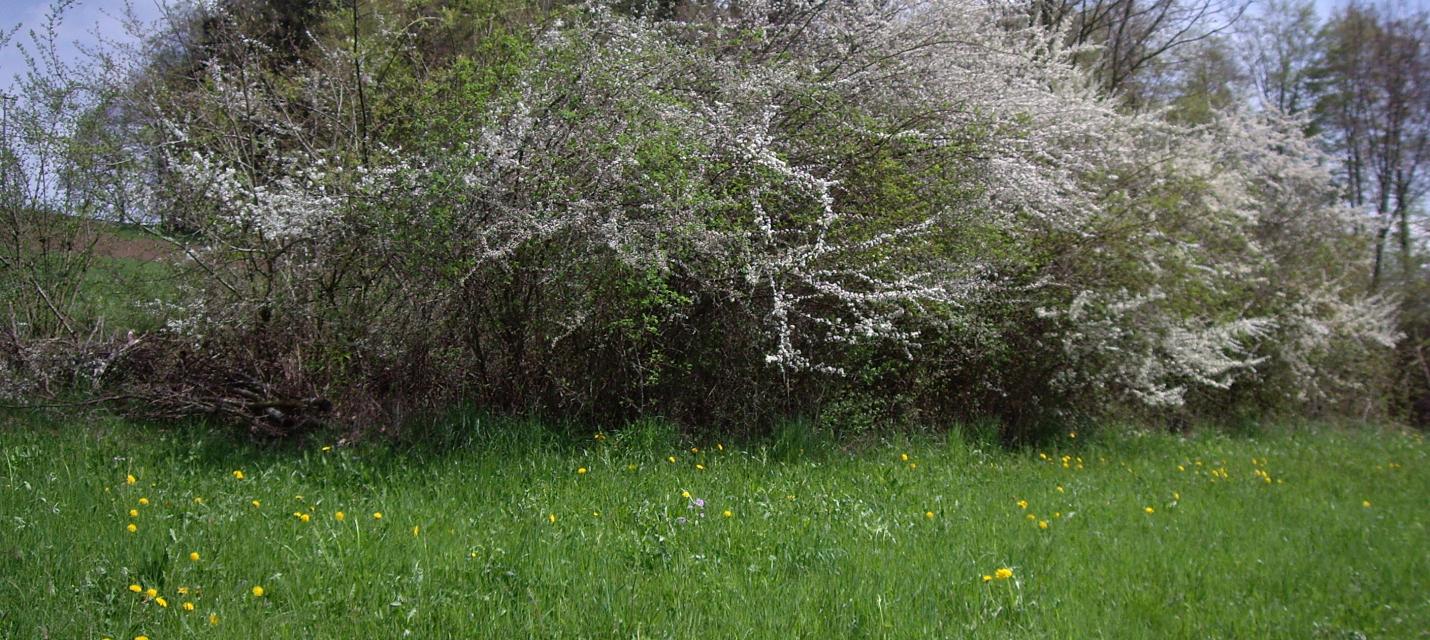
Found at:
[1132, 36]
[1376, 106]
[1281, 52]
[1208, 81]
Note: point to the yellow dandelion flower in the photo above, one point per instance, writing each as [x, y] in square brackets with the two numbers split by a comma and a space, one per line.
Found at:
[1060, 489]
[1042, 455]
[134, 513]
[213, 619]
[719, 447]
[377, 515]
[193, 556]
[256, 504]
[699, 467]
[685, 494]
[1032, 517]
[340, 516]
[581, 471]
[237, 474]
[132, 527]
[670, 459]
[415, 530]
[1365, 503]
[143, 502]
[198, 499]
[1022, 504]
[161, 602]
[728, 514]
[298, 498]
[130, 479]
[1181, 468]
[305, 517]
[913, 465]
[904, 457]
[1176, 496]
[551, 518]
[141, 637]
[327, 447]
[188, 606]
[257, 591]
[1057, 514]
[928, 515]
[695, 449]
[1149, 510]
[183, 591]
[1042, 524]
[136, 588]
[151, 592]
[987, 578]
[1003, 573]
[1072, 434]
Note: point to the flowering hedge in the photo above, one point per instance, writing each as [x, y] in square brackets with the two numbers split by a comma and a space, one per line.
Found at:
[909, 211]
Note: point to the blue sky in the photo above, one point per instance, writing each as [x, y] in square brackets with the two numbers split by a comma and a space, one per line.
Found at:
[82, 23]
[90, 17]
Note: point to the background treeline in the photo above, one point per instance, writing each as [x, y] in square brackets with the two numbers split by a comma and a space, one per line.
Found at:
[725, 214]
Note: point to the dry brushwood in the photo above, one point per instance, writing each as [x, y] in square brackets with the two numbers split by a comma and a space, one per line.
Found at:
[165, 380]
[156, 378]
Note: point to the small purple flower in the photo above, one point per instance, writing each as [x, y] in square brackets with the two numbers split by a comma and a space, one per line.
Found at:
[700, 502]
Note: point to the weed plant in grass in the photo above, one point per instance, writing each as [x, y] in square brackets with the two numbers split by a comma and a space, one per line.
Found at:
[112, 530]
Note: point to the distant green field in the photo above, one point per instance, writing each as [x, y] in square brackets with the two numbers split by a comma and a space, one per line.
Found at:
[129, 277]
[1312, 533]
[127, 293]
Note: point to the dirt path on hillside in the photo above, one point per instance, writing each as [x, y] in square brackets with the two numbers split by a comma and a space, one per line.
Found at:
[143, 249]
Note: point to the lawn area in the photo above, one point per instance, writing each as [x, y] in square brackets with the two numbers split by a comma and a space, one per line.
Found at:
[517, 531]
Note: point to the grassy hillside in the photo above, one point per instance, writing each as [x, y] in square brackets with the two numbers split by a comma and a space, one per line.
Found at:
[127, 293]
[1318, 533]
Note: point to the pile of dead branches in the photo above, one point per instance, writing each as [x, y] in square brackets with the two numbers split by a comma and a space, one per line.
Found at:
[159, 376]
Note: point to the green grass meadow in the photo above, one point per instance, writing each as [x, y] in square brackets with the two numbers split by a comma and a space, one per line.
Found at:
[521, 531]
